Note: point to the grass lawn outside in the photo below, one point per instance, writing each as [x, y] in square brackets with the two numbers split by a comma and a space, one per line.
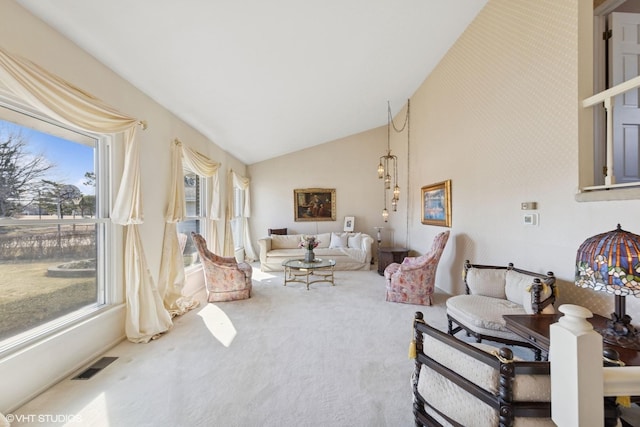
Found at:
[28, 297]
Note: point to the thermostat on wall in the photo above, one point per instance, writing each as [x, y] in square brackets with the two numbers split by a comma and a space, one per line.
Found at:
[530, 219]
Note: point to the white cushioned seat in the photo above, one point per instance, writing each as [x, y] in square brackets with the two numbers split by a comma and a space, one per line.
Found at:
[484, 314]
[493, 292]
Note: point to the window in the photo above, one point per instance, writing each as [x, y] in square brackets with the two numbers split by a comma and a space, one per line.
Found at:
[194, 192]
[237, 222]
[54, 227]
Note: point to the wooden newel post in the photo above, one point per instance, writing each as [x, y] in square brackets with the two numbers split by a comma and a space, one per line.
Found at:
[575, 354]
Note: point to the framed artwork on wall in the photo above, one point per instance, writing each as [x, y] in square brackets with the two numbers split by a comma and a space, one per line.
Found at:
[349, 223]
[314, 204]
[436, 204]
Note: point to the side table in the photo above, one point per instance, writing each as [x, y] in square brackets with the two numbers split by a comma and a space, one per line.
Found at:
[534, 328]
[387, 256]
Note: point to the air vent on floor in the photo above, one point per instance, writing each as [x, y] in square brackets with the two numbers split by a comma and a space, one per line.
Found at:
[95, 368]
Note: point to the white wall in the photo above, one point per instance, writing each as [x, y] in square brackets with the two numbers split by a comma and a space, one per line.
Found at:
[31, 370]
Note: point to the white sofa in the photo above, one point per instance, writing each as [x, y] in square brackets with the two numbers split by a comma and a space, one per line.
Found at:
[351, 251]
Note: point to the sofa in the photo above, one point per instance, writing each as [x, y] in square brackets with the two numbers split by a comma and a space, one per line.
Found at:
[491, 293]
[351, 251]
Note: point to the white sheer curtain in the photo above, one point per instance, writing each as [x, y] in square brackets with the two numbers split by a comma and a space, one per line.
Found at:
[172, 276]
[146, 317]
[237, 181]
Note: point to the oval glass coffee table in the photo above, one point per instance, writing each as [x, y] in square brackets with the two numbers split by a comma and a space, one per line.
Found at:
[300, 271]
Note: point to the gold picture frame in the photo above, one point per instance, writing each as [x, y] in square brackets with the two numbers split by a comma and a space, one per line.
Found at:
[436, 204]
[314, 204]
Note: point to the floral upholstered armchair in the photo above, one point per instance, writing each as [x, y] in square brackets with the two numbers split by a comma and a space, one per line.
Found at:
[413, 281]
[225, 278]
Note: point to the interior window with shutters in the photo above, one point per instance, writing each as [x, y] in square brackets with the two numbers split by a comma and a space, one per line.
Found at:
[617, 60]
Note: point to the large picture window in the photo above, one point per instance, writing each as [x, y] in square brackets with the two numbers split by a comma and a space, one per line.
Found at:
[54, 227]
[194, 195]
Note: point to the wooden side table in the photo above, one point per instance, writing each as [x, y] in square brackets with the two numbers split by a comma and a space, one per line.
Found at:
[387, 256]
[534, 328]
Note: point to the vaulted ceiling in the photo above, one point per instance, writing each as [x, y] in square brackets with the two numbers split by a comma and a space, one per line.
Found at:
[265, 78]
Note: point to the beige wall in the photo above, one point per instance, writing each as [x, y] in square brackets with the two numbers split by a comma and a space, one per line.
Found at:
[33, 369]
[499, 117]
[349, 165]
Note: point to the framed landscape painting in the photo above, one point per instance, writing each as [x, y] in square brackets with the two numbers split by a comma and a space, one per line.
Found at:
[436, 204]
[314, 204]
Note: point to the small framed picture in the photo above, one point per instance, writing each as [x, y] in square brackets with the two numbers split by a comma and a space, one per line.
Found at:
[436, 204]
[349, 223]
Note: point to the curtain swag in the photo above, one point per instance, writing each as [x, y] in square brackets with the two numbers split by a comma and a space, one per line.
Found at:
[172, 274]
[146, 318]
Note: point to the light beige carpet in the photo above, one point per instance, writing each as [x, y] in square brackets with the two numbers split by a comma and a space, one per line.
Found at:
[330, 356]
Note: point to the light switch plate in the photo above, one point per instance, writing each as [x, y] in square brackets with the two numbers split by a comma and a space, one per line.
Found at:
[530, 219]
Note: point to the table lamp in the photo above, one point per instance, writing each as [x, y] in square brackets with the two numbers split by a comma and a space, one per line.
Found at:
[378, 234]
[608, 262]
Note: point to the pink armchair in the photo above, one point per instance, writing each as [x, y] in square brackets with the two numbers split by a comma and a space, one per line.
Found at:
[225, 278]
[413, 281]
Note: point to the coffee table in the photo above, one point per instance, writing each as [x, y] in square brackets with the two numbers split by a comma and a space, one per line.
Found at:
[300, 271]
[534, 328]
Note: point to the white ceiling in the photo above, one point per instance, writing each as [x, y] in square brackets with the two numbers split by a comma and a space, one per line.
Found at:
[265, 78]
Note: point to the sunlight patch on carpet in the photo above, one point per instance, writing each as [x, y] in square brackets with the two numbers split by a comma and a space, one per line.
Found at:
[259, 275]
[218, 324]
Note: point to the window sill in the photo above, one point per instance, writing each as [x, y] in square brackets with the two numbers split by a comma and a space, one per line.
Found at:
[608, 194]
[58, 326]
[193, 268]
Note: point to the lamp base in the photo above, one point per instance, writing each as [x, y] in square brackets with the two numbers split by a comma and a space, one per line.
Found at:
[624, 341]
[621, 332]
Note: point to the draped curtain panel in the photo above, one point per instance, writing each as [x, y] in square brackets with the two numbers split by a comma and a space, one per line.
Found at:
[237, 181]
[172, 275]
[146, 317]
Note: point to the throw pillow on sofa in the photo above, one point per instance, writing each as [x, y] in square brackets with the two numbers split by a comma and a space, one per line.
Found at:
[339, 240]
[323, 240]
[355, 241]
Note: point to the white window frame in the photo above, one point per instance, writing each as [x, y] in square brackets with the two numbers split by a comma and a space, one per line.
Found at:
[107, 267]
[202, 216]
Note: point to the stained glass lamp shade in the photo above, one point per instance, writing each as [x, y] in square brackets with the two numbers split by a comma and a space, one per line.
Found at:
[608, 262]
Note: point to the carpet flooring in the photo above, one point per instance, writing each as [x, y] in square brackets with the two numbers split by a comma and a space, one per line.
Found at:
[329, 356]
